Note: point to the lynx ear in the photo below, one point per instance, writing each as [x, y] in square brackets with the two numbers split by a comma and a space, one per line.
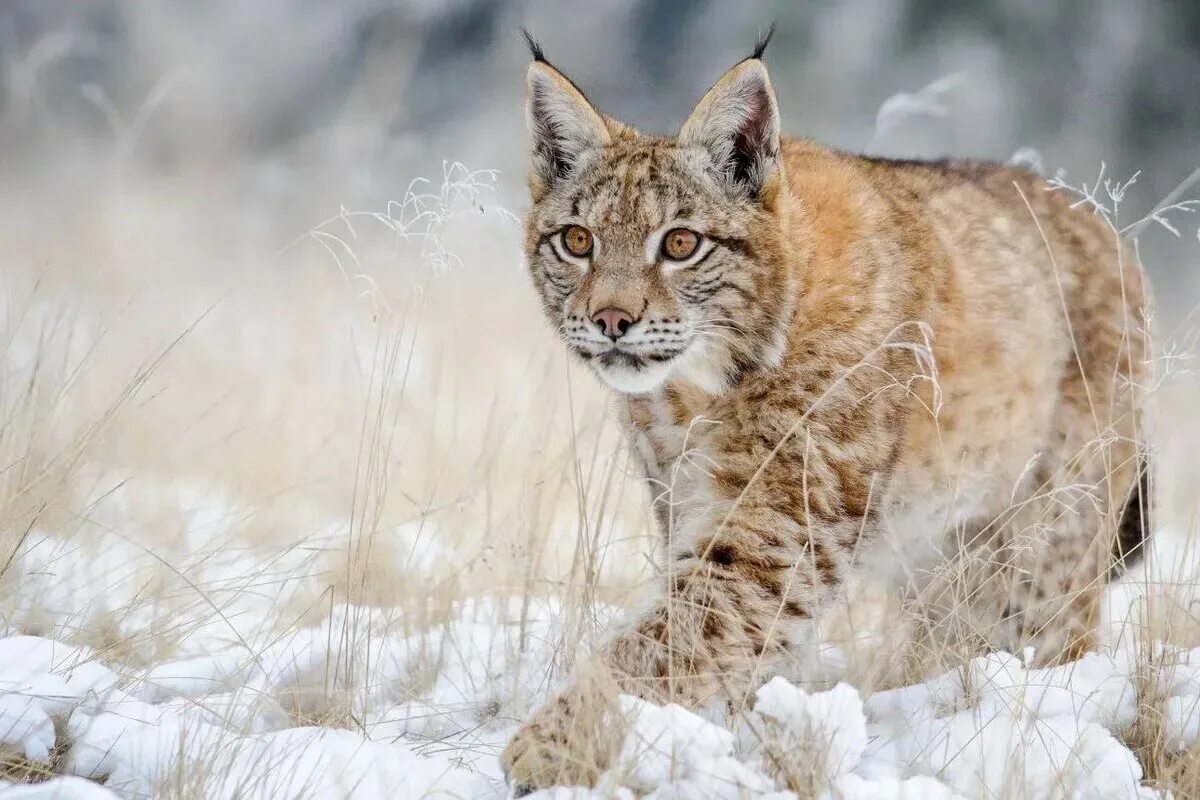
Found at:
[562, 125]
[737, 124]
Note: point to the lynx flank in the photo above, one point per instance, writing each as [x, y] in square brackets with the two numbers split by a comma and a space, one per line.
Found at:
[872, 365]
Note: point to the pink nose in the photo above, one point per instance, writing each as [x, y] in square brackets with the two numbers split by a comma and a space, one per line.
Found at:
[613, 322]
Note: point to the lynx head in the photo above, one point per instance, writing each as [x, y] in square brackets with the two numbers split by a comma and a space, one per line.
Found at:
[660, 257]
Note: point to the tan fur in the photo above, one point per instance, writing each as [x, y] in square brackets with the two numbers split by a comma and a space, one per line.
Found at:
[911, 363]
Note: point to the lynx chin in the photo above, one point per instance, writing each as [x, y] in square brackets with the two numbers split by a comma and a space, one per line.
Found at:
[876, 366]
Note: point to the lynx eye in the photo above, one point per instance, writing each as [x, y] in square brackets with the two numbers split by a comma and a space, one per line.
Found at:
[577, 240]
[680, 244]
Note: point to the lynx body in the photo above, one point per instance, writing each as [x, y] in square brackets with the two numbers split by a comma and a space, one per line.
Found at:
[830, 363]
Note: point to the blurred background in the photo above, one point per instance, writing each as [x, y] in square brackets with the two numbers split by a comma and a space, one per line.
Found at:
[366, 94]
[233, 323]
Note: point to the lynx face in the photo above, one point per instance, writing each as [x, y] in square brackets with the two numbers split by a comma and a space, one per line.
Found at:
[650, 254]
[634, 280]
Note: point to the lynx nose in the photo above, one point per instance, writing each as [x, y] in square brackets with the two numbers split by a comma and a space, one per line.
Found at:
[613, 322]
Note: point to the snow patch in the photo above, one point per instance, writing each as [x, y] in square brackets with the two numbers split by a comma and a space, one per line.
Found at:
[828, 727]
[60, 788]
[25, 729]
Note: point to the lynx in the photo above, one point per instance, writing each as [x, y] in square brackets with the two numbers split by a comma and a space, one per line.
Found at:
[830, 364]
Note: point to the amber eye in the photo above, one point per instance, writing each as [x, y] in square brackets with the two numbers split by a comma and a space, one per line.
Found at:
[577, 241]
[680, 244]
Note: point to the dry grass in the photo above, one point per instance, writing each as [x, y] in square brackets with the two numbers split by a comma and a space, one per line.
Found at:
[209, 433]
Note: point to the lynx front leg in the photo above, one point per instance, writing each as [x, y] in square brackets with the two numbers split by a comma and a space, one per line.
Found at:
[739, 595]
[730, 614]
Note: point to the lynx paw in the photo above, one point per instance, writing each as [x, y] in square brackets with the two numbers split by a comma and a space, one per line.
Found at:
[569, 742]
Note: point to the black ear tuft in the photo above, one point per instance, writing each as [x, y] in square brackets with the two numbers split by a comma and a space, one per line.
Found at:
[562, 123]
[761, 47]
[535, 49]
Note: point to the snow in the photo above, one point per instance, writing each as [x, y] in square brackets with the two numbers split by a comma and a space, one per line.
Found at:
[423, 713]
[829, 727]
[133, 732]
[26, 656]
[249, 701]
[324, 763]
[675, 754]
[25, 728]
[59, 788]
[992, 727]
[854, 787]
[139, 747]
[193, 677]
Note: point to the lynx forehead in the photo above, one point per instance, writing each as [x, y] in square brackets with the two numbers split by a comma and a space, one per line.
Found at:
[897, 364]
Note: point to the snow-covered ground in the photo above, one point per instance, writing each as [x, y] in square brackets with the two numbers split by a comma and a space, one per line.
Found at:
[215, 726]
[353, 703]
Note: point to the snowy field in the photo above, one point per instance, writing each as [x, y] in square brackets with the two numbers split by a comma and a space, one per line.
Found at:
[285, 521]
[353, 706]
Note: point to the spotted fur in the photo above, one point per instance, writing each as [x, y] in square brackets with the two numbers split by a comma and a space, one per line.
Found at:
[869, 363]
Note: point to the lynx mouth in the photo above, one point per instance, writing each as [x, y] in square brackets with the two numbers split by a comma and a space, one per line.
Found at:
[617, 357]
[630, 373]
